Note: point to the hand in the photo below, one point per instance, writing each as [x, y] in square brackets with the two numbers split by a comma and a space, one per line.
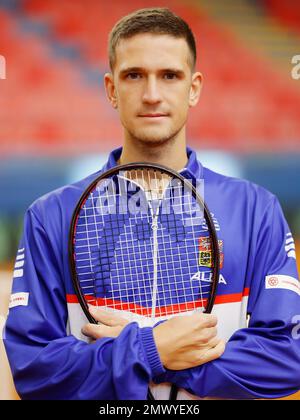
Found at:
[187, 341]
[111, 324]
[182, 341]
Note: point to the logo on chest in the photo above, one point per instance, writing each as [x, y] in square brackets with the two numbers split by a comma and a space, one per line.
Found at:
[205, 252]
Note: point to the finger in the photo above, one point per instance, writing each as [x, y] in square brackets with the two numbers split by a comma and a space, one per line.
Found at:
[207, 334]
[100, 331]
[107, 318]
[92, 331]
[201, 320]
[213, 342]
[208, 320]
[214, 353]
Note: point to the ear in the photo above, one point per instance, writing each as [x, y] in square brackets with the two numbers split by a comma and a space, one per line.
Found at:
[195, 90]
[110, 89]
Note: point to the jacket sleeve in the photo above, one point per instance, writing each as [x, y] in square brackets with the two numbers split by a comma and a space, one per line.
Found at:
[47, 363]
[263, 360]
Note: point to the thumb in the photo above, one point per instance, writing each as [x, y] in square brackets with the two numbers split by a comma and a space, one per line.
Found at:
[107, 318]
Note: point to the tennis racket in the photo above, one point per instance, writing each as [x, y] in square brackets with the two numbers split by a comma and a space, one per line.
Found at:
[142, 241]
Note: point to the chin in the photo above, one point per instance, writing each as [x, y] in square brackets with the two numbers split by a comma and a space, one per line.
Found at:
[154, 139]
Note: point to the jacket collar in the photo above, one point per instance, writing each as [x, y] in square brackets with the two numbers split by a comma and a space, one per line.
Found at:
[193, 170]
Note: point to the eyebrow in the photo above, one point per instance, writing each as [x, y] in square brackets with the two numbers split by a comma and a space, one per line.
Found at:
[127, 70]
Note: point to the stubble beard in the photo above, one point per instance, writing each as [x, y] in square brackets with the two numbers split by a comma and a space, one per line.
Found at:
[154, 141]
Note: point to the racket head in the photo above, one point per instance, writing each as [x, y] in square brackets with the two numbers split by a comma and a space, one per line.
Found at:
[96, 235]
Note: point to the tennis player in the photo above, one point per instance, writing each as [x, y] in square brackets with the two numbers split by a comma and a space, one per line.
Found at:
[152, 85]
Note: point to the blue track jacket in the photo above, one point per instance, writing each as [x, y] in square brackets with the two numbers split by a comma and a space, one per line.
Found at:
[257, 305]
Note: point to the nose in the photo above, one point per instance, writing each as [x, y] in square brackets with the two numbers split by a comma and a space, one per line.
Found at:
[151, 94]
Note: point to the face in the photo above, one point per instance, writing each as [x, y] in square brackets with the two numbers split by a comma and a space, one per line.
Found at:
[152, 86]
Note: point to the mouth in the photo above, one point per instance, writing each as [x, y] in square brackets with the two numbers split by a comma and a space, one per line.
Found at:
[153, 115]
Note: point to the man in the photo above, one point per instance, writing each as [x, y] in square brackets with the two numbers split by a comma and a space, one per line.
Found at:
[152, 85]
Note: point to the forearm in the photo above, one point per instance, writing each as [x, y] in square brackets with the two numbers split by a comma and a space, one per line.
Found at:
[258, 367]
[68, 368]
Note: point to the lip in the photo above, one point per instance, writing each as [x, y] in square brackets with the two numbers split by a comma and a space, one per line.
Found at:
[152, 115]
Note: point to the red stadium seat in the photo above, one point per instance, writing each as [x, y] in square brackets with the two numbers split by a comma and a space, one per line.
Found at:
[287, 12]
[246, 104]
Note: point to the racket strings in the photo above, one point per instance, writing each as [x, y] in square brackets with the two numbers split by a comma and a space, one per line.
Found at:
[124, 265]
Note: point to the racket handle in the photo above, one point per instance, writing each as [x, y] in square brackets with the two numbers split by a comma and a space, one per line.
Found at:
[173, 393]
[150, 396]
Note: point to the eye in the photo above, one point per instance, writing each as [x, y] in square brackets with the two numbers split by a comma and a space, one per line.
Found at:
[170, 76]
[133, 76]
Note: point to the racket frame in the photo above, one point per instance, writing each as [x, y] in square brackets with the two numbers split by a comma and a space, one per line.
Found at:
[140, 166]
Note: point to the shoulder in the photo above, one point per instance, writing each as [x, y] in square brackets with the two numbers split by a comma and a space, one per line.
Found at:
[237, 189]
[61, 202]
[239, 201]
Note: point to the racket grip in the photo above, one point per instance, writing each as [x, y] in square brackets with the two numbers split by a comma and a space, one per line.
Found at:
[150, 396]
[173, 393]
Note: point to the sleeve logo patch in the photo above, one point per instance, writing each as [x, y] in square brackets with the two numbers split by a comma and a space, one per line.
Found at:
[19, 264]
[19, 299]
[273, 281]
[280, 281]
[290, 246]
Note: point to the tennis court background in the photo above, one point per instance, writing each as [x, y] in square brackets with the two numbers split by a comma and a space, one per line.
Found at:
[56, 125]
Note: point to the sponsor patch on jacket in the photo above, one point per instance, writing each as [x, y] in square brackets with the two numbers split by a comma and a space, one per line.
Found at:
[280, 281]
[205, 255]
[18, 299]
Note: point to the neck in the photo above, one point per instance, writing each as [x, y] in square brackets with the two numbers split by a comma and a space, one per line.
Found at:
[171, 153]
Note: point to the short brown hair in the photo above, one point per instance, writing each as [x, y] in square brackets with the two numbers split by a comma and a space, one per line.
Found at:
[159, 21]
